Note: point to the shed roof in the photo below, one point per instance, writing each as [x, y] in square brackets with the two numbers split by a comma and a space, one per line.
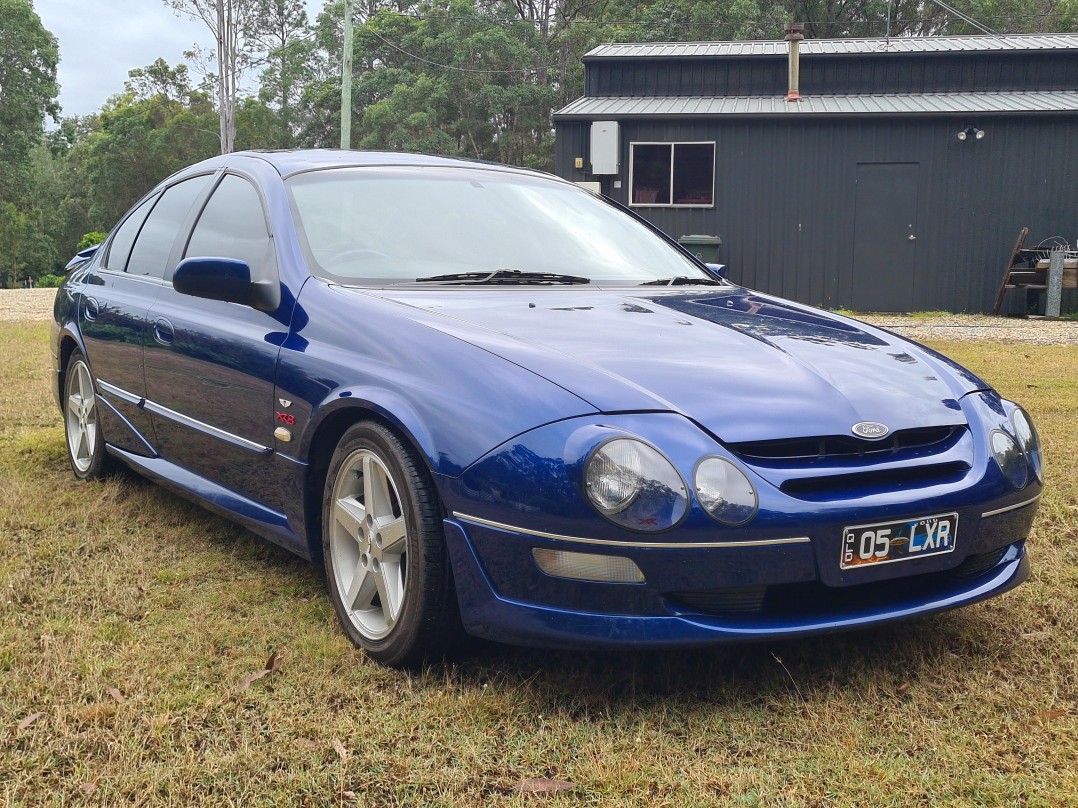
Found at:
[840, 47]
[888, 104]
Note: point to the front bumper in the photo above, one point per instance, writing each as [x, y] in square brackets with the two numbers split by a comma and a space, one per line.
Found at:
[704, 596]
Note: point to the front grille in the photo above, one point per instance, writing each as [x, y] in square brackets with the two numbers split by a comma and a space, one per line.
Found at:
[864, 483]
[815, 599]
[847, 446]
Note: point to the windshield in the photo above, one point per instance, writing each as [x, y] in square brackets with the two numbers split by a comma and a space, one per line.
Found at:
[400, 224]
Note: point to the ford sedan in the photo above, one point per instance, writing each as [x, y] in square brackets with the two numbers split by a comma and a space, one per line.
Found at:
[490, 401]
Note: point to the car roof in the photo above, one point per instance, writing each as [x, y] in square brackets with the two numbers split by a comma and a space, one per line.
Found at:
[292, 162]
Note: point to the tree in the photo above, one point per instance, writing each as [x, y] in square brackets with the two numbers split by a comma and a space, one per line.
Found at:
[230, 22]
[28, 90]
[158, 125]
[280, 30]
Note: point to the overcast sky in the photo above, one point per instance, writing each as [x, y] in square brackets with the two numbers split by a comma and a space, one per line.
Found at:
[101, 40]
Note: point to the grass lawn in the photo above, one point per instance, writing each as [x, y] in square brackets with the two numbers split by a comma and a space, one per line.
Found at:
[129, 620]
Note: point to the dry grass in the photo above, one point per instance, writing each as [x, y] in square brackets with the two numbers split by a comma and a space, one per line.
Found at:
[128, 620]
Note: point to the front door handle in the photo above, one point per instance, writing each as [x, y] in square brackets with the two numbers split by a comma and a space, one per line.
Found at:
[163, 332]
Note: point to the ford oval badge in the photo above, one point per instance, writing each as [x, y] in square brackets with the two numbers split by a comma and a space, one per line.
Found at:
[871, 430]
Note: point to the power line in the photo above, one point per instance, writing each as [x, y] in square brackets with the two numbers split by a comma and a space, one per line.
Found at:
[965, 17]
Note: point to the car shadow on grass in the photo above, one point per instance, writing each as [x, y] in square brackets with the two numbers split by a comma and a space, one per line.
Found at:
[891, 659]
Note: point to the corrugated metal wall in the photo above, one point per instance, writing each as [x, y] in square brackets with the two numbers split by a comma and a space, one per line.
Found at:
[834, 75]
[784, 202]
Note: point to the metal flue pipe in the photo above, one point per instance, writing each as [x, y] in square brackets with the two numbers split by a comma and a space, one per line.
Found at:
[795, 32]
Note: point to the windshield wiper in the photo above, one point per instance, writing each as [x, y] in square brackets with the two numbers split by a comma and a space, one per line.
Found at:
[683, 280]
[504, 276]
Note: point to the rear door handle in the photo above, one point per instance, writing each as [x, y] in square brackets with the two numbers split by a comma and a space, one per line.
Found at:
[163, 332]
[90, 308]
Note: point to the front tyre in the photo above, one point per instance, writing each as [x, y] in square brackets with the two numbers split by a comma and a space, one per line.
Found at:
[85, 441]
[384, 549]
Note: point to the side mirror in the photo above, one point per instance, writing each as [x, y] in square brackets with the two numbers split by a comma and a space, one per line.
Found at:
[225, 279]
[718, 270]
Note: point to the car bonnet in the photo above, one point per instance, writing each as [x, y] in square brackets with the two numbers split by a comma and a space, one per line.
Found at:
[743, 365]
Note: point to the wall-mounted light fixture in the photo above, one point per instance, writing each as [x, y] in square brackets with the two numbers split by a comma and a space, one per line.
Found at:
[970, 132]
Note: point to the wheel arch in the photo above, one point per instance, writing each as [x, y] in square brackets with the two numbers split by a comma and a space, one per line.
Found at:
[68, 346]
[326, 433]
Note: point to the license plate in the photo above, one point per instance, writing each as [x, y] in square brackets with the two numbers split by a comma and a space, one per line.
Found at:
[888, 542]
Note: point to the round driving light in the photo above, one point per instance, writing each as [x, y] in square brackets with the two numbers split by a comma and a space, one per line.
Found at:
[1028, 439]
[633, 485]
[1010, 458]
[725, 492]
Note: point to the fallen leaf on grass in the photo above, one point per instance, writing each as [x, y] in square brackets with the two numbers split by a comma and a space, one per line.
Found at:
[338, 747]
[88, 788]
[902, 688]
[30, 719]
[543, 785]
[273, 664]
[116, 695]
[349, 796]
[1051, 715]
[306, 743]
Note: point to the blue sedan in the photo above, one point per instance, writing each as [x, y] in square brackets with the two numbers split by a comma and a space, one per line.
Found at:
[488, 400]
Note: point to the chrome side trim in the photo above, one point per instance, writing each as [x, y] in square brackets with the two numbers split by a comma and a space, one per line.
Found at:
[640, 544]
[120, 393]
[998, 511]
[157, 409]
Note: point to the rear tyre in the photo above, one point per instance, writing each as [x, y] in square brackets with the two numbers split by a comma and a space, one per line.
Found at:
[85, 440]
[384, 549]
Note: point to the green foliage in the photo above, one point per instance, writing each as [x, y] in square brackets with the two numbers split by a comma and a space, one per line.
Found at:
[279, 30]
[28, 90]
[90, 239]
[49, 281]
[158, 125]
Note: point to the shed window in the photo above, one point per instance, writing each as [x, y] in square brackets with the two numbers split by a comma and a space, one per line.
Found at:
[672, 174]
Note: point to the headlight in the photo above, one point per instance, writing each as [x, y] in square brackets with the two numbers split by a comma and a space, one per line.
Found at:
[1028, 440]
[725, 492]
[634, 486]
[1010, 458]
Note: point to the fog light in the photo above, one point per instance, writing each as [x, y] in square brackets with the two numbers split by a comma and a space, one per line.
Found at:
[588, 566]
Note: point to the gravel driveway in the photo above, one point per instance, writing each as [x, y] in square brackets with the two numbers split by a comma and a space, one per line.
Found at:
[36, 304]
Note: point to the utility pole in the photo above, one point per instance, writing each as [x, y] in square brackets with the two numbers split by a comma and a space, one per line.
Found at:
[346, 79]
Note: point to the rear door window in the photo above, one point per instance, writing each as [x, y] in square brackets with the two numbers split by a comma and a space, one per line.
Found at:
[158, 235]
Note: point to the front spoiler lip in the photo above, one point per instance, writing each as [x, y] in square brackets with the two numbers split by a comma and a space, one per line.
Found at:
[486, 614]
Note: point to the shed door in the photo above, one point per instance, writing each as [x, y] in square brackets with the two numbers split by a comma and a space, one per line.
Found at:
[885, 239]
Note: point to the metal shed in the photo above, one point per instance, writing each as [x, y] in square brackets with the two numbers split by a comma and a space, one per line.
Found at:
[897, 182]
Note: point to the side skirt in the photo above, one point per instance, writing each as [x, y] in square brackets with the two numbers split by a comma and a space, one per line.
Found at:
[266, 522]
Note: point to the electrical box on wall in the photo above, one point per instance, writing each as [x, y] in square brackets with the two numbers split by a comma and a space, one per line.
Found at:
[605, 147]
